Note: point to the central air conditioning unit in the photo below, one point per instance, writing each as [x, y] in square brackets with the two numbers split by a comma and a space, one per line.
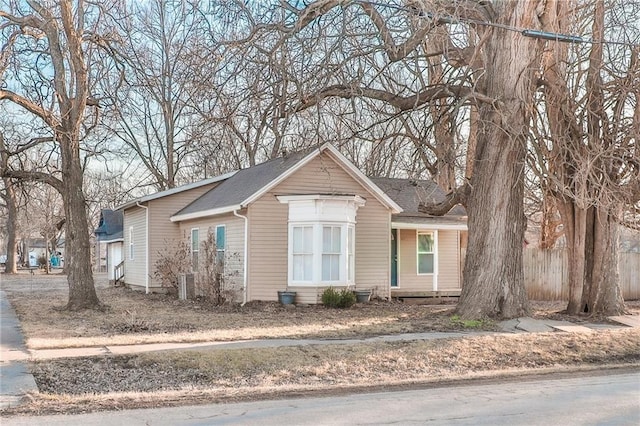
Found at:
[186, 287]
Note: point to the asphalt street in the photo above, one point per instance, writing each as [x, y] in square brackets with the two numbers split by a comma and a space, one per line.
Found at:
[608, 399]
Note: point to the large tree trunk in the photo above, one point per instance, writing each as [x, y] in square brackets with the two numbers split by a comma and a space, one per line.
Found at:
[592, 246]
[82, 293]
[493, 277]
[574, 219]
[12, 222]
[602, 294]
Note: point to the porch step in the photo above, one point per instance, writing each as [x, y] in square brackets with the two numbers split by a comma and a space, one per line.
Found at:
[400, 294]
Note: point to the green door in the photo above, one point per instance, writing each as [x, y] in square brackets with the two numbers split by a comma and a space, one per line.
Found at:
[394, 258]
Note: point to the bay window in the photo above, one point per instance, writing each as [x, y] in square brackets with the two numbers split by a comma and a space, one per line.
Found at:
[321, 238]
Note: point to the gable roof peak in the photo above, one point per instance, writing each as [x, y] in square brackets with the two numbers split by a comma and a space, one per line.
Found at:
[249, 184]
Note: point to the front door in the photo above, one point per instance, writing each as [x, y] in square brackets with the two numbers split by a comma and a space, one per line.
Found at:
[394, 258]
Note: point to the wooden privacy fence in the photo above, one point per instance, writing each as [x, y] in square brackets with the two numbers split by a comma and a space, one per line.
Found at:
[546, 274]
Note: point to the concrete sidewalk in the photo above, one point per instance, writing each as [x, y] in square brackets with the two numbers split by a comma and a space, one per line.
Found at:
[15, 379]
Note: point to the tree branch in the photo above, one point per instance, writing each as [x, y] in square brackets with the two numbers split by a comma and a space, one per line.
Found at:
[459, 195]
[25, 103]
[35, 177]
[403, 103]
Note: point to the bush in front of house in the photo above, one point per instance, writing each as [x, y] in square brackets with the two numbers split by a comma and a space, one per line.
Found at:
[333, 298]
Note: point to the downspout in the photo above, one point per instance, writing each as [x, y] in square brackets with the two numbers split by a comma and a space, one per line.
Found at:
[245, 249]
[146, 247]
[436, 260]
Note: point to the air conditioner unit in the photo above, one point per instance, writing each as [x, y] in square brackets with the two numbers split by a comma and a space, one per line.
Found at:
[186, 287]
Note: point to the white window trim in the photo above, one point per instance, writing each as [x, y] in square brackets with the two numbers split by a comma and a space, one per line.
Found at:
[398, 251]
[290, 253]
[222, 250]
[434, 233]
[197, 249]
[318, 211]
[131, 246]
[225, 238]
[351, 263]
[316, 274]
[342, 254]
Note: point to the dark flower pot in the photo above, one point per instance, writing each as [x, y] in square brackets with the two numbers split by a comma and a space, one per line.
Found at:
[287, 297]
[362, 296]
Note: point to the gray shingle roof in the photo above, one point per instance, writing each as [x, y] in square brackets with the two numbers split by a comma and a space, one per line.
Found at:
[409, 193]
[244, 183]
[175, 190]
[110, 226]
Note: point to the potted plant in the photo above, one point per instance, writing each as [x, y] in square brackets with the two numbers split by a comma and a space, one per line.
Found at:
[362, 295]
[287, 297]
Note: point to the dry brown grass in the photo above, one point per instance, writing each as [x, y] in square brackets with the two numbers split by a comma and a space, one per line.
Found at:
[131, 317]
[197, 376]
[333, 364]
[174, 378]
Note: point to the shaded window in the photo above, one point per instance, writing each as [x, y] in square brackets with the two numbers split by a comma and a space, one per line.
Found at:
[221, 243]
[331, 252]
[195, 248]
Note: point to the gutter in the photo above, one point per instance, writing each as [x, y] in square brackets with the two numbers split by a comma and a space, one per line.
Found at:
[146, 247]
[245, 249]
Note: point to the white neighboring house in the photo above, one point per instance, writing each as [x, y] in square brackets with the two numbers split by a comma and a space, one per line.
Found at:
[109, 233]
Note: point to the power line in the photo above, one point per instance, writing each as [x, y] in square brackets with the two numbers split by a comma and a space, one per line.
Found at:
[526, 32]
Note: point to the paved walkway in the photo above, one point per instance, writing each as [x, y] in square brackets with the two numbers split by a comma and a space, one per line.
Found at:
[15, 380]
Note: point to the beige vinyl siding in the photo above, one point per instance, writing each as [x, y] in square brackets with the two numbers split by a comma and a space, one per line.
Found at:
[268, 228]
[408, 278]
[134, 270]
[234, 248]
[448, 260]
[163, 231]
[267, 248]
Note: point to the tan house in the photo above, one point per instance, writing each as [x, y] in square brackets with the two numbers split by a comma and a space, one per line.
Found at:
[303, 222]
[147, 230]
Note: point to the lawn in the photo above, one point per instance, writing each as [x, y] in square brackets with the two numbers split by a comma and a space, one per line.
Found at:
[198, 376]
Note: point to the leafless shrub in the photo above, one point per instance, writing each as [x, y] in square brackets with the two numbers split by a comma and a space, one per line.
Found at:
[173, 260]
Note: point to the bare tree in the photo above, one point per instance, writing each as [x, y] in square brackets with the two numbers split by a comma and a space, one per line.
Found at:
[161, 52]
[496, 72]
[52, 39]
[590, 153]
[10, 204]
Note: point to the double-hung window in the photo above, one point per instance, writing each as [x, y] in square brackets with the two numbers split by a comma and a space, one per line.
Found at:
[351, 263]
[195, 248]
[426, 243]
[331, 252]
[221, 242]
[302, 253]
[131, 246]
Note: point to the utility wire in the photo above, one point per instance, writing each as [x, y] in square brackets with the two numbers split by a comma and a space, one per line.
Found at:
[546, 35]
